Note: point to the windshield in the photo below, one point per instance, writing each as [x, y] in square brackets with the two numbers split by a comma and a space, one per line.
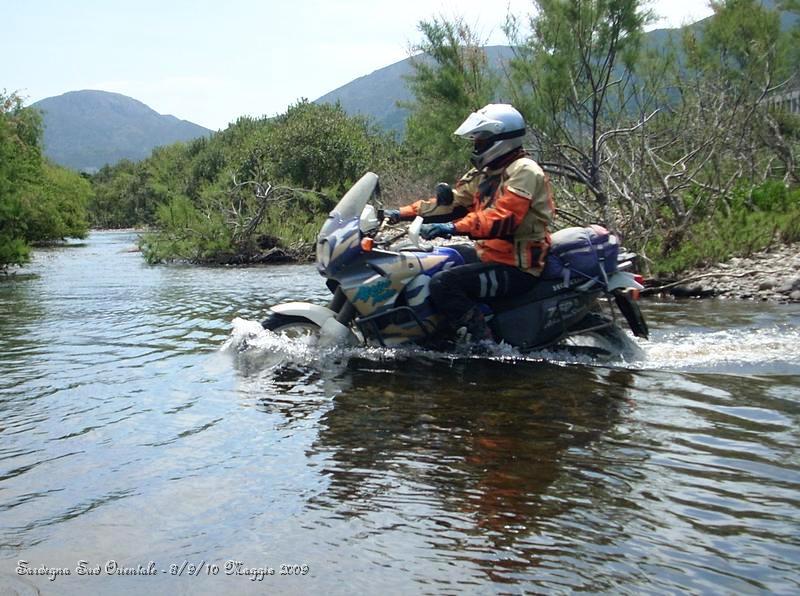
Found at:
[356, 198]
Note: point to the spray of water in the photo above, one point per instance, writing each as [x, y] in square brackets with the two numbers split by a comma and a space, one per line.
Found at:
[744, 349]
[252, 344]
[741, 350]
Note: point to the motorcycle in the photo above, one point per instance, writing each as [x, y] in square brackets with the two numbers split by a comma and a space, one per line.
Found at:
[380, 291]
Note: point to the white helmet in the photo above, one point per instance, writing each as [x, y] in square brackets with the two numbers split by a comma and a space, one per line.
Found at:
[495, 130]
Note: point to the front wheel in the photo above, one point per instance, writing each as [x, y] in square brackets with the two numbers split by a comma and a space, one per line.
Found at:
[291, 327]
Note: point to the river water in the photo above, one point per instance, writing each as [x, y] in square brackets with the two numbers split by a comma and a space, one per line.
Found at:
[144, 427]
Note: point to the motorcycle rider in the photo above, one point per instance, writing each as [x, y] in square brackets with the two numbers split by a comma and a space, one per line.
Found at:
[505, 203]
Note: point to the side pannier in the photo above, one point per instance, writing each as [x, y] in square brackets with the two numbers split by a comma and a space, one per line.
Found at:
[582, 252]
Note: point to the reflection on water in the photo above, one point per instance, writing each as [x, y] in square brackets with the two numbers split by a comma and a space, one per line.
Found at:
[136, 426]
[472, 474]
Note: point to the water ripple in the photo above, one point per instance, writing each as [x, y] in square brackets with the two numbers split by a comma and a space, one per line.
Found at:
[132, 404]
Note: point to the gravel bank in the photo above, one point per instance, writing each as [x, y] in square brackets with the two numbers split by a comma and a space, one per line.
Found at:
[772, 275]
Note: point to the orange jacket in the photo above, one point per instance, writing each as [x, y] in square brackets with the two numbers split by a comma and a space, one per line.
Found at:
[509, 211]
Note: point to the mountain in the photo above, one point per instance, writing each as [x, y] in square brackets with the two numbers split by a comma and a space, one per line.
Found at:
[85, 130]
[376, 95]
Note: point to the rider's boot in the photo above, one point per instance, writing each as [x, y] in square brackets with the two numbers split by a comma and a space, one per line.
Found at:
[471, 329]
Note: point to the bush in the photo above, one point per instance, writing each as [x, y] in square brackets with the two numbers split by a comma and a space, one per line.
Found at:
[39, 201]
[57, 209]
[758, 218]
[305, 157]
[232, 228]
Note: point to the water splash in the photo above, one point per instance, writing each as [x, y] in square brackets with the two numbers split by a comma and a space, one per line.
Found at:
[741, 350]
[254, 346]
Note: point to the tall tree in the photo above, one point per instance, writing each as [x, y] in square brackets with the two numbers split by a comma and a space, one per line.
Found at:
[716, 132]
[734, 65]
[451, 79]
[793, 7]
[566, 78]
[39, 201]
[20, 170]
[320, 146]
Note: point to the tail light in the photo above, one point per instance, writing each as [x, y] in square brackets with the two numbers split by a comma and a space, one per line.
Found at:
[634, 293]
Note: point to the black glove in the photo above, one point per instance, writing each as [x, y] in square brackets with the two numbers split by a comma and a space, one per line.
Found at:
[437, 230]
[444, 194]
[392, 215]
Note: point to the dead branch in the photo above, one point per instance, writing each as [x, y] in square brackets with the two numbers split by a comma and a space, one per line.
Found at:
[620, 131]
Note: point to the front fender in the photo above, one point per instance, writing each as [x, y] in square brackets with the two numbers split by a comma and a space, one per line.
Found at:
[331, 331]
[313, 312]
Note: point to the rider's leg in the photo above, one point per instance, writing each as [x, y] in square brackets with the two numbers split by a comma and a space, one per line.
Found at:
[455, 292]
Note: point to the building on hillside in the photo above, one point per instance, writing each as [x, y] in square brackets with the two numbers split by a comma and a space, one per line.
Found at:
[788, 101]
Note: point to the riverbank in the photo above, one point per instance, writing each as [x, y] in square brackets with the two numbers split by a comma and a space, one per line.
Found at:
[772, 275]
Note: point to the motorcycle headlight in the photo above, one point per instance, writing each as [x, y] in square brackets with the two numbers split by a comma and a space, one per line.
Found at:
[323, 253]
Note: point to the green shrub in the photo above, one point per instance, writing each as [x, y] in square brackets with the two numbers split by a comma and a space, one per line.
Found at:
[57, 206]
[759, 217]
[194, 198]
[39, 201]
[213, 232]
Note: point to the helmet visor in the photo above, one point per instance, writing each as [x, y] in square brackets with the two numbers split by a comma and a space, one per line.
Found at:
[478, 125]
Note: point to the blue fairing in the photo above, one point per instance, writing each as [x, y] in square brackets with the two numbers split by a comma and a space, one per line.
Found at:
[454, 259]
[340, 240]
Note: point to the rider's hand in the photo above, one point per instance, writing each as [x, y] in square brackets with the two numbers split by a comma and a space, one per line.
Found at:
[437, 230]
[392, 215]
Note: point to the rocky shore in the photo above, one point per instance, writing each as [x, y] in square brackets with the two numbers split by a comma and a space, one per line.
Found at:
[772, 275]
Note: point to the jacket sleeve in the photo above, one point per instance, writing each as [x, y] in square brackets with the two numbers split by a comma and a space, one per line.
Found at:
[425, 208]
[501, 221]
[431, 211]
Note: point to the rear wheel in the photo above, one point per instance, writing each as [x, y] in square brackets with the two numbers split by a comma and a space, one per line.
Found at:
[292, 327]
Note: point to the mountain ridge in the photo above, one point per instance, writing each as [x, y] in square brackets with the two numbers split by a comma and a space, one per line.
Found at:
[377, 94]
[87, 129]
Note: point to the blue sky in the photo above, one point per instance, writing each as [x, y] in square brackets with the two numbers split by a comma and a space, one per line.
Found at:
[213, 61]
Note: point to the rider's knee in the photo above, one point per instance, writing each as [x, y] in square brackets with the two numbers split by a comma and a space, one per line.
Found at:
[437, 285]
